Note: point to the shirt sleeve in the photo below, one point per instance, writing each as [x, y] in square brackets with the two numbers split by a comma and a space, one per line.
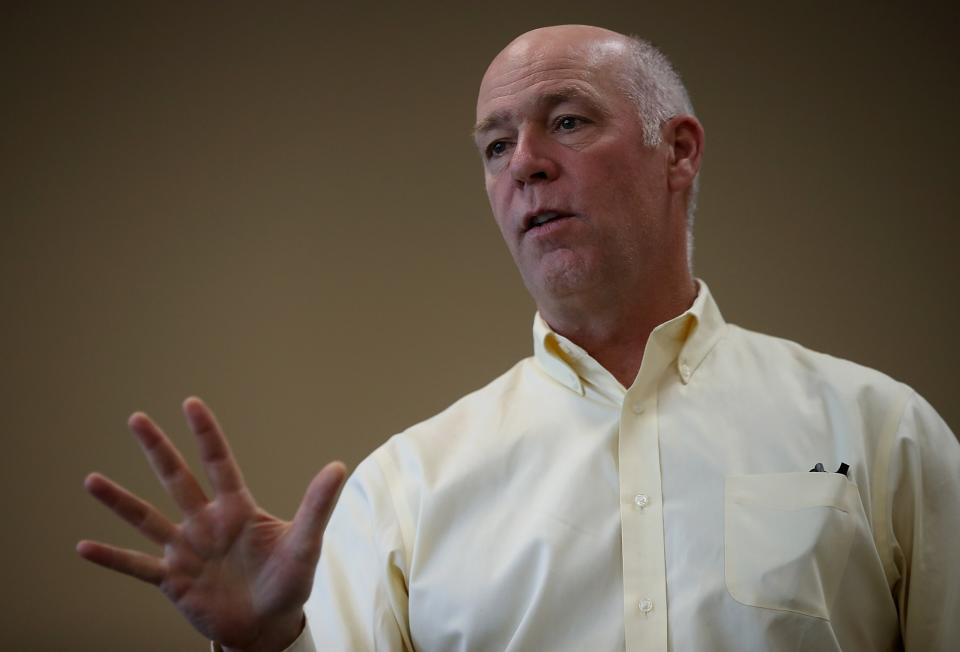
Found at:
[359, 597]
[924, 516]
[303, 643]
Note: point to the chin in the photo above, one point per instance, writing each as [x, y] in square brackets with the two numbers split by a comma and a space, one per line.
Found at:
[563, 281]
[563, 273]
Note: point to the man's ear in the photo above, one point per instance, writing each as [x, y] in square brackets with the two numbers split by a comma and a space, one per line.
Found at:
[683, 135]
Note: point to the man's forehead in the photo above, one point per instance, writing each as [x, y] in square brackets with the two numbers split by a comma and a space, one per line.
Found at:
[510, 76]
[541, 58]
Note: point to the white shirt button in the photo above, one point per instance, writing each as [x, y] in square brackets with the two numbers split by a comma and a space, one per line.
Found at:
[640, 501]
[685, 370]
[637, 408]
[646, 606]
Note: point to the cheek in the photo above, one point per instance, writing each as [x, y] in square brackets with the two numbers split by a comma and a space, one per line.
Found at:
[490, 182]
[632, 193]
[497, 195]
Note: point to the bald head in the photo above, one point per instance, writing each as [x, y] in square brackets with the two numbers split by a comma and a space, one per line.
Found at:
[576, 40]
[643, 73]
[583, 46]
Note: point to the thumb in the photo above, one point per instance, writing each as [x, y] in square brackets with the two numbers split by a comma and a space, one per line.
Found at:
[311, 518]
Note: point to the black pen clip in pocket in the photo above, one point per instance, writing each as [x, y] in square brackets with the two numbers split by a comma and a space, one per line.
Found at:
[818, 468]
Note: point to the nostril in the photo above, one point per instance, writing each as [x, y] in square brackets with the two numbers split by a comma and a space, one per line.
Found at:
[539, 175]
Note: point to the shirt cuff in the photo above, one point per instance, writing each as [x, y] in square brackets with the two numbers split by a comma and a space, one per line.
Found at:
[304, 642]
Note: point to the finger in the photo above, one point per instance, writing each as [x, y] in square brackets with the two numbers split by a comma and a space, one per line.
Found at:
[129, 562]
[138, 513]
[314, 511]
[168, 464]
[218, 462]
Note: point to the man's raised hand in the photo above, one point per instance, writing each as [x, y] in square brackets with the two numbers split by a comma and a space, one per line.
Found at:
[238, 574]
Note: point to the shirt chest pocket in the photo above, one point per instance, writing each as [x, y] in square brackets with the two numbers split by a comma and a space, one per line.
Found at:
[787, 539]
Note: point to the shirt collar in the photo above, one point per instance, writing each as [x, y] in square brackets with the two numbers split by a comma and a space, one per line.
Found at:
[682, 342]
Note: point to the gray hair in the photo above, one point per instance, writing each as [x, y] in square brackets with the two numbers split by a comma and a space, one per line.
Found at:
[654, 86]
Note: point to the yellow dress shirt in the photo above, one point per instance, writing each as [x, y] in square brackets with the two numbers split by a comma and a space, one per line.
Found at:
[555, 509]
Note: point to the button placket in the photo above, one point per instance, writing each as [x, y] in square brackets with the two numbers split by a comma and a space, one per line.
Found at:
[644, 572]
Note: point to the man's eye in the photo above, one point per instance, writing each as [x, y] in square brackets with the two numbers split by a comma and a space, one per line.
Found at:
[496, 148]
[568, 123]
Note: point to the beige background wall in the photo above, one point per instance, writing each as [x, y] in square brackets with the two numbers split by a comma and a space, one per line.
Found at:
[277, 206]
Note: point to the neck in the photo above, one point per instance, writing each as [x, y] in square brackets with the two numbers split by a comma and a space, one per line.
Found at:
[614, 331]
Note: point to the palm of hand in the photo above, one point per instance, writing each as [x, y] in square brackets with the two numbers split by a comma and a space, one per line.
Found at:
[238, 574]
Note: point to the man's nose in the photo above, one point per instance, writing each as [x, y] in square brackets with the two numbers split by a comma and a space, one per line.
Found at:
[531, 161]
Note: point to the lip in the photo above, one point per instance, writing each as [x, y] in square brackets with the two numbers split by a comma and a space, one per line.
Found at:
[529, 217]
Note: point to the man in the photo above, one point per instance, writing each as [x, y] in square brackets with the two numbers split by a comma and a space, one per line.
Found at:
[642, 483]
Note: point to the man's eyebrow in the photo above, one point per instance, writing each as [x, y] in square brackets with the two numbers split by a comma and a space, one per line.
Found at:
[491, 122]
[546, 101]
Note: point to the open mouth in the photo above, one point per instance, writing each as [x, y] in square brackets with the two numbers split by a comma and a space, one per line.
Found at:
[539, 219]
